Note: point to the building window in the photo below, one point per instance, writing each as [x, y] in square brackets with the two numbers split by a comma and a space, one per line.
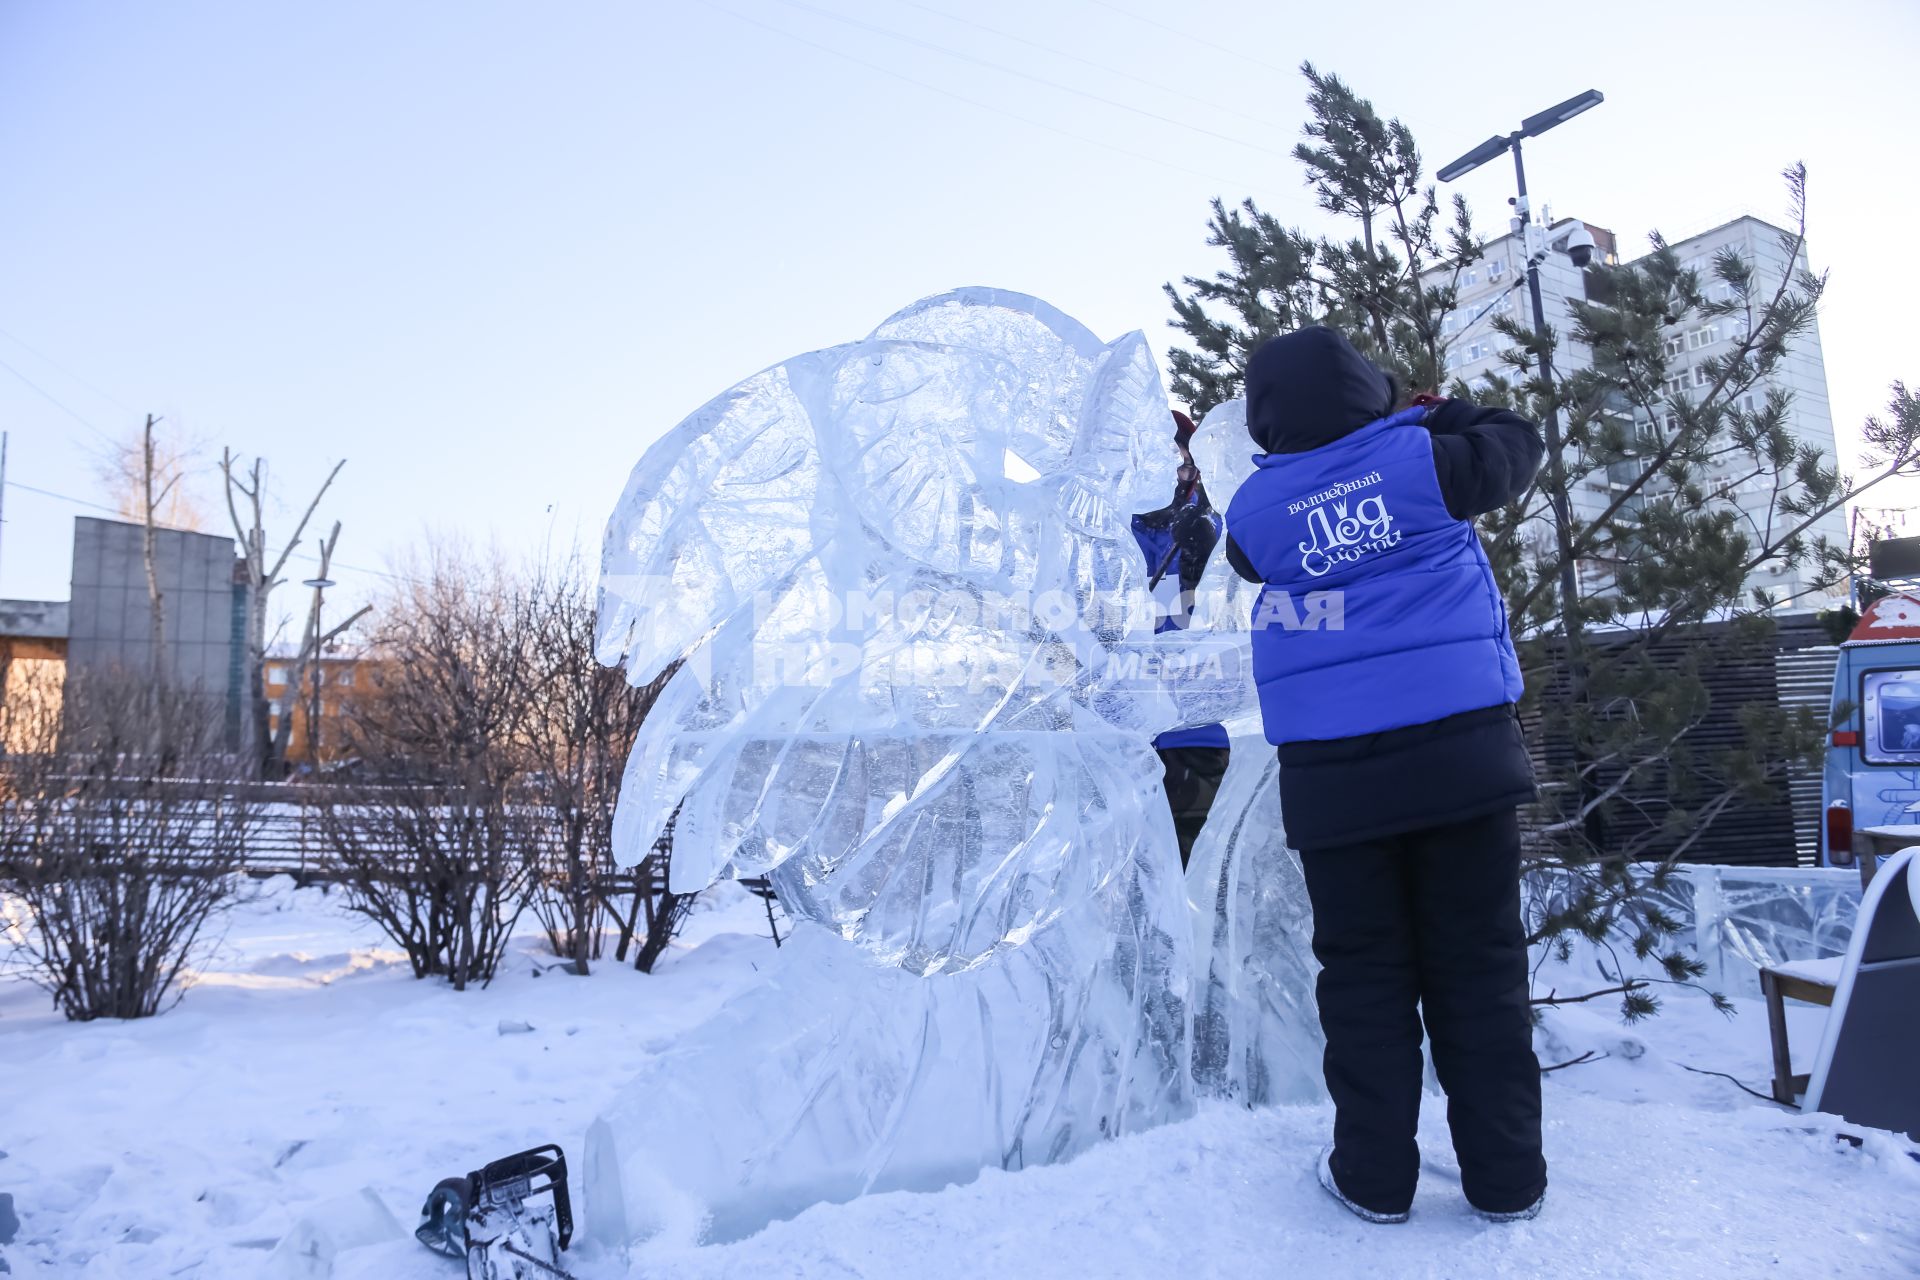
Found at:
[344, 677]
[276, 673]
[1703, 376]
[1702, 337]
[1472, 276]
[1677, 384]
[1495, 269]
[1449, 324]
[1672, 422]
[1674, 346]
[1503, 304]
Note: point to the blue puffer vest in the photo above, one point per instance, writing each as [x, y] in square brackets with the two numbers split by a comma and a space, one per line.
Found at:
[1380, 609]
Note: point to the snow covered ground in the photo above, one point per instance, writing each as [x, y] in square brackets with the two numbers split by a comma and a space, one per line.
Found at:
[306, 1063]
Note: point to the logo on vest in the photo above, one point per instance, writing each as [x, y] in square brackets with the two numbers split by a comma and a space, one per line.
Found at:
[1342, 535]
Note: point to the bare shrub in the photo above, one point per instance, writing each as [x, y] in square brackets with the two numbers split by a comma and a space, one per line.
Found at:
[434, 839]
[120, 833]
[488, 751]
[585, 717]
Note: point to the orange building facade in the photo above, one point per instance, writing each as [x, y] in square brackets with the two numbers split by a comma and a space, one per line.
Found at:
[338, 678]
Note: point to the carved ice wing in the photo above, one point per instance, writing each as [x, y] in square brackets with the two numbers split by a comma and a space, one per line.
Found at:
[717, 509]
[1223, 601]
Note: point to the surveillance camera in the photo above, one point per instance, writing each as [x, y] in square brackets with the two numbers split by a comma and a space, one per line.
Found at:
[1580, 247]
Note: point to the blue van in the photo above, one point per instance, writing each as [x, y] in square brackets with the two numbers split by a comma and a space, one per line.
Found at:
[1871, 789]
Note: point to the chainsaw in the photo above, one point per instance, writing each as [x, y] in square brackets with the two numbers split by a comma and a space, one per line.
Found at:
[510, 1220]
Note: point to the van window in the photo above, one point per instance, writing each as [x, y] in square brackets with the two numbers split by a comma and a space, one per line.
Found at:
[1890, 701]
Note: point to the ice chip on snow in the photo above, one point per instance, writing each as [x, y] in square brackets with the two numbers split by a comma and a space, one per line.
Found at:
[913, 690]
[355, 1220]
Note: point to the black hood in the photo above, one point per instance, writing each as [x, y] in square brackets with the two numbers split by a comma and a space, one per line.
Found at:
[1309, 388]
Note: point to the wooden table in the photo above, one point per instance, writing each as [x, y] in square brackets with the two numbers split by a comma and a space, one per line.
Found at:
[1810, 981]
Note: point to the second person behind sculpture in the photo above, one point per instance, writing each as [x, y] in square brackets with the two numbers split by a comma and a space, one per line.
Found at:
[1177, 540]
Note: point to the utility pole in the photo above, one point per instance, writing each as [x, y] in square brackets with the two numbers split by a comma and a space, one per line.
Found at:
[319, 586]
[314, 642]
[150, 549]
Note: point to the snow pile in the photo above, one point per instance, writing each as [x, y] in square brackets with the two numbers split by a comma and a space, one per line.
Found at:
[307, 1065]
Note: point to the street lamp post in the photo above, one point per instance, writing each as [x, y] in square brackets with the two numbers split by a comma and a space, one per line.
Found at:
[1535, 241]
[1532, 127]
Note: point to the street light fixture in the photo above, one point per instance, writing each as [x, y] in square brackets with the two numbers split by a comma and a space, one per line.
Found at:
[1491, 149]
[1532, 127]
[1538, 123]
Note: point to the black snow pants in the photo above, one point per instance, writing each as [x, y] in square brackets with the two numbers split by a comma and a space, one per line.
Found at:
[1427, 922]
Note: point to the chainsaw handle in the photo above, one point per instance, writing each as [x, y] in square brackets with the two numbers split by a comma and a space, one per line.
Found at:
[528, 1173]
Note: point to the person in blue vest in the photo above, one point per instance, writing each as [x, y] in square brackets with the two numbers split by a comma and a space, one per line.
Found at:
[1177, 541]
[1388, 684]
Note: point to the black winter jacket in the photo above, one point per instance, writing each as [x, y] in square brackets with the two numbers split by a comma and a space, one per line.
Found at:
[1308, 389]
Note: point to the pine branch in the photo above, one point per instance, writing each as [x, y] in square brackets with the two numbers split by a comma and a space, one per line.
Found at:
[1591, 1055]
[1630, 985]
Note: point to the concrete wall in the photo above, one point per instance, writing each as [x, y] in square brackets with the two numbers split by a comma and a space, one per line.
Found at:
[111, 617]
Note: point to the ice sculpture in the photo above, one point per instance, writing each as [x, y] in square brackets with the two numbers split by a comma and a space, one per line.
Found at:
[1256, 1036]
[916, 688]
[1737, 920]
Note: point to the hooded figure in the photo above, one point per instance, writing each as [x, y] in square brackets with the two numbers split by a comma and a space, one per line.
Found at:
[1397, 713]
[1388, 682]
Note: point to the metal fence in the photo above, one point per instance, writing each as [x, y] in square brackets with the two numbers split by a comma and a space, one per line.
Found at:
[287, 836]
[1779, 830]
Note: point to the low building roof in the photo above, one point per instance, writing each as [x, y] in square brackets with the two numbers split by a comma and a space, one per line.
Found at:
[34, 619]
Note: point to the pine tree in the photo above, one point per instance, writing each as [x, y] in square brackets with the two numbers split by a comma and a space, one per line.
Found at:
[1628, 786]
[1375, 286]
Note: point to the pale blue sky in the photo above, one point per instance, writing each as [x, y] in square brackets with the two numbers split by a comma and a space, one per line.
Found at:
[487, 252]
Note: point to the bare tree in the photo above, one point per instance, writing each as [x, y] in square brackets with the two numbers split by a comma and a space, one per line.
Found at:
[143, 476]
[434, 838]
[313, 643]
[250, 490]
[119, 838]
[124, 467]
[584, 720]
[149, 550]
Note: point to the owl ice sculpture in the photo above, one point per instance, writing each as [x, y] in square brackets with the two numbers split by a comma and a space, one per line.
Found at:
[898, 579]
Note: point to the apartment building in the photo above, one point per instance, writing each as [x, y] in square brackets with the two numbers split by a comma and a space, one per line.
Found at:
[1496, 286]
